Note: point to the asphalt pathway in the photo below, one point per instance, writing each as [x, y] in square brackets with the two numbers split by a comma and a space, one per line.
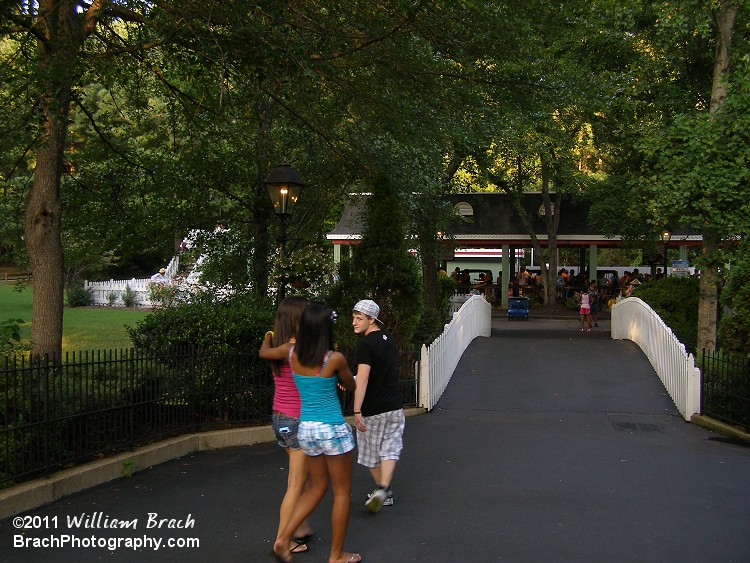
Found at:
[548, 445]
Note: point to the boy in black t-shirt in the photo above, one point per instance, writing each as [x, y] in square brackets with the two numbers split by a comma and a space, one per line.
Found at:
[378, 408]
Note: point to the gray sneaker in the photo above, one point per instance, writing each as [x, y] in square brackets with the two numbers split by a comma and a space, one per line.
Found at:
[376, 499]
[388, 501]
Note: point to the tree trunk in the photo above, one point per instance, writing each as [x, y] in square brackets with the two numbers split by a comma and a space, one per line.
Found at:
[57, 52]
[708, 296]
[551, 221]
[709, 282]
[722, 57]
[43, 242]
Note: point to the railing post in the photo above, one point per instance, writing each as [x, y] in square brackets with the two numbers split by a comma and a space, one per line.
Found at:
[46, 415]
[694, 387]
[424, 378]
[131, 406]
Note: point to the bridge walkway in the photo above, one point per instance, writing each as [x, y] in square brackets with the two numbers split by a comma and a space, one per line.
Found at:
[548, 445]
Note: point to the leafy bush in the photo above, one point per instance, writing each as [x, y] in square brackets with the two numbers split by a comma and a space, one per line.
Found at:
[10, 331]
[22, 408]
[97, 406]
[207, 324]
[79, 296]
[573, 302]
[305, 271]
[725, 386]
[222, 258]
[432, 323]
[675, 300]
[112, 298]
[430, 326]
[446, 287]
[734, 329]
[130, 297]
[10, 338]
[162, 294]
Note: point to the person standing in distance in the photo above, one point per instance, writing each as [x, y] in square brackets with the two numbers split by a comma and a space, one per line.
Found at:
[160, 277]
[378, 406]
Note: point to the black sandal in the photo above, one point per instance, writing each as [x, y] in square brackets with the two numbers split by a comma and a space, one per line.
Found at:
[299, 547]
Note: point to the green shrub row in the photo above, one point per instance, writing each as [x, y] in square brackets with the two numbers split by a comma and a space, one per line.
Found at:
[734, 329]
[675, 300]
[64, 414]
[208, 324]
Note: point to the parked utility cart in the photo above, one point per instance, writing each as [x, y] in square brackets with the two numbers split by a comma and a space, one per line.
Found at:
[518, 308]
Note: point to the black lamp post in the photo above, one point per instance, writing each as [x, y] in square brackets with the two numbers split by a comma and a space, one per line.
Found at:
[284, 186]
[665, 236]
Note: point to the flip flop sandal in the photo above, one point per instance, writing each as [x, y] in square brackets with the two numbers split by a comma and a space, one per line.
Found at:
[299, 547]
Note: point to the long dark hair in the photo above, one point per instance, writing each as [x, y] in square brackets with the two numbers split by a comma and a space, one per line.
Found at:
[315, 334]
[286, 324]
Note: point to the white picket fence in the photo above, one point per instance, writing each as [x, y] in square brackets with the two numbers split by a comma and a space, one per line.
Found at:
[633, 319]
[439, 360]
[110, 292]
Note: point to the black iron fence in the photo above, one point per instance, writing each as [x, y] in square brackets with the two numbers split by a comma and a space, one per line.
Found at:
[725, 390]
[99, 403]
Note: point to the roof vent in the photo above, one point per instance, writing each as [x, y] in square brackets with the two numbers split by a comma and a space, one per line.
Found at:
[464, 209]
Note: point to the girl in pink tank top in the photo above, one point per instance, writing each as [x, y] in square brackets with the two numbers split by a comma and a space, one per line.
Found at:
[324, 434]
[286, 410]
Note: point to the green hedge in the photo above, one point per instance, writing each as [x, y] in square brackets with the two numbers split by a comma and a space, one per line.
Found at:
[675, 300]
[207, 324]
[734, 328]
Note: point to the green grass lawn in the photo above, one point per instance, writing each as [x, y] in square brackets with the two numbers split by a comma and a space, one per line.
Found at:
[84, 328]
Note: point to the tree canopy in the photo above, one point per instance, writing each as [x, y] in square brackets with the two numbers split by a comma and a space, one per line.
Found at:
[125, 124]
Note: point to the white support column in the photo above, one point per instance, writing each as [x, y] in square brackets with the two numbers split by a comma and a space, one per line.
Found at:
[424, 379]
[506, 276]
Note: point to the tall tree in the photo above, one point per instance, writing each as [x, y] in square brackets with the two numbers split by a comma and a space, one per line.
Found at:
[60, 32]
[723, 18]
[687, 164]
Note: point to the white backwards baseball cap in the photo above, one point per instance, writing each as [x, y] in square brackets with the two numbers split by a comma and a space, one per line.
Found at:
[368, 307]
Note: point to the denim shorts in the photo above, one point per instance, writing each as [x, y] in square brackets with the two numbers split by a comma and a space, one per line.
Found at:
[318, 438]
[285, 428]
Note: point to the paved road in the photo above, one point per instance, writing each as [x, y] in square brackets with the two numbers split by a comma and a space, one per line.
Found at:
[549, 445]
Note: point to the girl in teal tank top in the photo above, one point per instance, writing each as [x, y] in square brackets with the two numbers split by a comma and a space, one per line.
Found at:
[323, 434]
[321, 401]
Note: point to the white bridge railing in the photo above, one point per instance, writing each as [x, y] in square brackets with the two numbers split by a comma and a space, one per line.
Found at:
[111, 292]
[439, 360]
[633, 319]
